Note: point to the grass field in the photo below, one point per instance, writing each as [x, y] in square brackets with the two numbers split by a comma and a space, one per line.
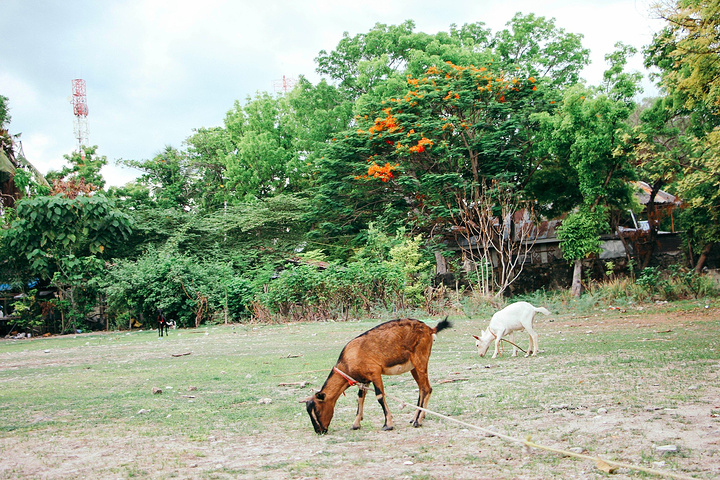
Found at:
[617, 384]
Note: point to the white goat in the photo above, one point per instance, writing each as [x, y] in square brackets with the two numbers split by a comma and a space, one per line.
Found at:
[516, 316]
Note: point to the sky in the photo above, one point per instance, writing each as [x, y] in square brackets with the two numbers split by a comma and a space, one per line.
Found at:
[156, 70]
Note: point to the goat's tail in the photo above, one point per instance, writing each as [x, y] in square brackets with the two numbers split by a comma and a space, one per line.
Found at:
[543, 310]
[443, 325]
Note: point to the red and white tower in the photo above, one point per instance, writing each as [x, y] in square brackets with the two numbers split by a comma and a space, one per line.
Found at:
[80, 110]
[284, 85]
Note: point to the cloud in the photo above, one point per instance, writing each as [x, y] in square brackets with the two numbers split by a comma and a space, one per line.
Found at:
[157, 69]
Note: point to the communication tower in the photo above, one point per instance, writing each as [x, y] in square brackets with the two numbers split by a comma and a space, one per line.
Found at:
[80, 110]
[284, 85]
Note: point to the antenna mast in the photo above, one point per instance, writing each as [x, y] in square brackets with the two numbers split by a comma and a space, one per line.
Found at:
[80, 110]
[284, 85]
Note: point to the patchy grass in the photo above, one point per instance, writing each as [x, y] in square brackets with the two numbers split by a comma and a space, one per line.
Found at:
[615, 383]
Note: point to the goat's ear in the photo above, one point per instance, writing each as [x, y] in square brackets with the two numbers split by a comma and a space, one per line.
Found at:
[476, 337]
[320, 396]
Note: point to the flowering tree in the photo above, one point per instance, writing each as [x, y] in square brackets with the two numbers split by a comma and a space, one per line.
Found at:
[452, 130]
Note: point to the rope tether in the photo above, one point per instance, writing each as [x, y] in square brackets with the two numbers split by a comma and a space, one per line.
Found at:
[599, 462]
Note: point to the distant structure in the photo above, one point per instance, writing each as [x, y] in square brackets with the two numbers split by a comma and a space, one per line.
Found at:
[284, 85]
[80, 110]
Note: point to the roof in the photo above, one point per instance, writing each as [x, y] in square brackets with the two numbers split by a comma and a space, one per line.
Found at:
[662, 197]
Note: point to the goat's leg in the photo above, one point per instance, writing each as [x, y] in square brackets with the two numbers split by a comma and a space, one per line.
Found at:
[515, 349]
[380, 395]
[533, 343]
[497, 343]
[421, 378]
[361, 402]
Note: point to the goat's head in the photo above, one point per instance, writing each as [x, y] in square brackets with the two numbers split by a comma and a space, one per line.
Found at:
[483, 341]
[321, 412]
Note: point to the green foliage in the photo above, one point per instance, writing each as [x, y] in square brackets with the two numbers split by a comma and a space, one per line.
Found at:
[686, 52]
[4, 112]
[406, 258]
[579, 234]
[28, 309]
[340, 291]
[167, 177]
[182, 287]
[387, 272]
[47, 229]
[63, 240]
[85, 167]
[676, 283]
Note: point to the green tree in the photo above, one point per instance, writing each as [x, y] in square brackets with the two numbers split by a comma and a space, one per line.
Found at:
[167, 177]
[64, 240]
[4, 112]
[264, 162]
[661, 146]
[84, 169]
[590, 134]
[208, 150]
[579, 235]
[687, 52]
[440, 114]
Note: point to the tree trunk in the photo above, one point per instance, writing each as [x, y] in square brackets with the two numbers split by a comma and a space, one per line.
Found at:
[703, 257]
[653, 225]
[440, 264]
[577, 278]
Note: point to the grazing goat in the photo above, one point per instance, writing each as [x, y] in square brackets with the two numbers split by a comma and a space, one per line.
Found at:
[391, 348]
[517, 316]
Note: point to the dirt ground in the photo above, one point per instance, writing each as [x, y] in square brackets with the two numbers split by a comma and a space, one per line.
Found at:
[626, 424]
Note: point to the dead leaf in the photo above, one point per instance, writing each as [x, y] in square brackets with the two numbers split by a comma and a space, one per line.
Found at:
[604, 466]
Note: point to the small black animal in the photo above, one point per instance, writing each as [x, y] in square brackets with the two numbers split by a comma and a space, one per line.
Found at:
[163, 323]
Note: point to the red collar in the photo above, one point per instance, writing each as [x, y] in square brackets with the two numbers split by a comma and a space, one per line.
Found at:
[349, 379]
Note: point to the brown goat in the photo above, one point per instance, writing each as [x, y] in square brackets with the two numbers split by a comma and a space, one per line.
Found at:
[391, 348]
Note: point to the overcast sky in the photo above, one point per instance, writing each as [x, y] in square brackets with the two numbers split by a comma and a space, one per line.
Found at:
[157, 69]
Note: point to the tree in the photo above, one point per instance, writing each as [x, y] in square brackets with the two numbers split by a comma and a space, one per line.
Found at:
[264, 162]
[443, 113]
[687, 52]
[207, 153]
[4, 112]
[580, 237]
[590, 134]
[168, 178]
[661, 146]
[84, 169]
[63, 240]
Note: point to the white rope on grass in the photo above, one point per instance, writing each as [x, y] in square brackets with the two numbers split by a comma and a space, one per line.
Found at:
[601, 463]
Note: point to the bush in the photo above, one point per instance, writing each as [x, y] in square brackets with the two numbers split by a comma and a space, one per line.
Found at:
[306, 292]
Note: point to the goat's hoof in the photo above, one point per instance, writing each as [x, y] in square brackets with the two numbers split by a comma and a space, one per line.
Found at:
[356, 428]
[386, 428]
[416, 424]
